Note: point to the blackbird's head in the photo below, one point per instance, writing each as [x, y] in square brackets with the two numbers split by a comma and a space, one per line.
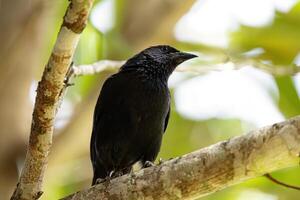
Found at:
[166, 55]
[157, 61]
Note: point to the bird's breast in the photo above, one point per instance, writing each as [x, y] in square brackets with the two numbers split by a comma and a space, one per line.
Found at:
[151, 107]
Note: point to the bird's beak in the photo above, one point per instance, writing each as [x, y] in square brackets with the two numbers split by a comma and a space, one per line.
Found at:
[180, 57]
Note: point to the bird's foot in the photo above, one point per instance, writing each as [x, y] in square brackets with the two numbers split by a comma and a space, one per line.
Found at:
[148, 164]
[114, 174]
[101, 180]
[111, 175]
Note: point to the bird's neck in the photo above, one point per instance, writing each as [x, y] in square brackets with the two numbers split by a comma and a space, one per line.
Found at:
[153, 73]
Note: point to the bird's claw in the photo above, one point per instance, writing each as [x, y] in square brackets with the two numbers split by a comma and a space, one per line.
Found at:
[107, 178]
[114, 174]
[101, 180]
[148, 164]
[111, 174]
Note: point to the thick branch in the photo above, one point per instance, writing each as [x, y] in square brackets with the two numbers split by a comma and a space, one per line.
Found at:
[48, 93]
[210, 169]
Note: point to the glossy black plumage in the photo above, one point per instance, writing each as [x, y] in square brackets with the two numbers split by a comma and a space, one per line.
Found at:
[132, 111]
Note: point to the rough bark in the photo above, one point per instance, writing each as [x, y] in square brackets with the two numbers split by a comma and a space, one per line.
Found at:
[48, 93]
[210, 169]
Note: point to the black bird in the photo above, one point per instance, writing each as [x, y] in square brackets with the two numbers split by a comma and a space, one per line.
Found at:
[132, 112]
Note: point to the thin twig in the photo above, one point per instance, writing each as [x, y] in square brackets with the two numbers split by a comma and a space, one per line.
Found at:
[98, 67]
[271, 178]
[197, 69]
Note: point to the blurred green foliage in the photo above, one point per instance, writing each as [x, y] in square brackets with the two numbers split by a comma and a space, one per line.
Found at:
[280, 39]
[89, 50]
[281, 43]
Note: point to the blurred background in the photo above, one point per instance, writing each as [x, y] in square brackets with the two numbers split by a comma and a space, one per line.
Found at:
[245, 77]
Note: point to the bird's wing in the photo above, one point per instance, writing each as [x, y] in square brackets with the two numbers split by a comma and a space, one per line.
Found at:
[167, 119]
[103, 119]
[112, 124]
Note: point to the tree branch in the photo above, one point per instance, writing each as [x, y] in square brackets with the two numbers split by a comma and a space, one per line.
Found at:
[114, 66]
[98, 67]
[200, 68]
[208, 170]
[48, 93]
[271, 178]
[275, 70]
